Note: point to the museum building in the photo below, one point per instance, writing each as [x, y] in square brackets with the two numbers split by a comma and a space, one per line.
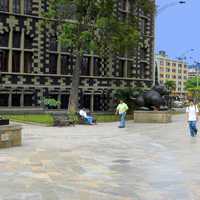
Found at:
[34, 65]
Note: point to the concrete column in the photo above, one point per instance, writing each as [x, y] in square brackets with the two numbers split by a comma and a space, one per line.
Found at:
[22, 52]
[126, 68]
[59, 99]
[10, 99]
[92, 65]
[92, 102]
[22, 7]
[11, 6]
[22, 99]
[59, 59]
[10, 50]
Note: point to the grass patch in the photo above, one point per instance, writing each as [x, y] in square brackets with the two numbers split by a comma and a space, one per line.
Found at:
[47, 119]
[35, 118]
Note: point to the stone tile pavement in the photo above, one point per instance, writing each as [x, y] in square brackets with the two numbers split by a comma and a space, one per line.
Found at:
[102, 162]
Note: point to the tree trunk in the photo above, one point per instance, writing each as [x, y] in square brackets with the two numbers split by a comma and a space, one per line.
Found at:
[74, 92]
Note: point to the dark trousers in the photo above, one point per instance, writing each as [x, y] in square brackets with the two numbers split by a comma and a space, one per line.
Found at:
[193, 128]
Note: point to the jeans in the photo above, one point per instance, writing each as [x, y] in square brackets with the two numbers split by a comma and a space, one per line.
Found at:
[89, 120]
[193, 128]
[122, 119]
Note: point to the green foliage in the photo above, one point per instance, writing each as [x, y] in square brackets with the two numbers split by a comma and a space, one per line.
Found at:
[170, 85]
[93, 25]
[192, 84]
[128, 95]
[51, 102]
[193, 87]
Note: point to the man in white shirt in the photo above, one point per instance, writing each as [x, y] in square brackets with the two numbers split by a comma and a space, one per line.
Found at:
[89, 119]
[192, 117]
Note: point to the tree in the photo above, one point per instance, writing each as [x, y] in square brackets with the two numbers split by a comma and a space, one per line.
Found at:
[170, 85]
[192, 86]
[93, 25]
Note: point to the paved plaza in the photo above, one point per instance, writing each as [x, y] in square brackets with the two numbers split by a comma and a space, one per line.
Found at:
[103, 162]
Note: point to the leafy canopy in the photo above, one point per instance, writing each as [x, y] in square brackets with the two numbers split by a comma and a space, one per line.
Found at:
[170, 84]
[94, 25]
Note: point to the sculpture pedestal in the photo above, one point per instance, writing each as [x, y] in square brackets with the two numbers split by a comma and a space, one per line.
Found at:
[152, 117]
[10, 136]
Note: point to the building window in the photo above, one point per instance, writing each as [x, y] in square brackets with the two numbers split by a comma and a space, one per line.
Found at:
[16, 39]
[64, 101]
[4, 39]
[123, 4]
[28, 99]
[28, 42]
[53, 43]
[174, 64]
[66, 64]
[143, 53]
[174, 76]
[85, 66]
[129, 69]
[3, 60]
[16, 99]
[173, 70]
[143, 26]
[4, 5]
[16, 61]
[53, 64]
[28, 7]
[97, 67]
[168, 64]
[4, 99]
[97, 102]
[122, 16]
[28, 62]
[162, 62]
[121, 67]
[16, 6]
[86, 101]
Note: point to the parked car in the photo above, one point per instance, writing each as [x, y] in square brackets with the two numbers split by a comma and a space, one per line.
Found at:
[178, 104]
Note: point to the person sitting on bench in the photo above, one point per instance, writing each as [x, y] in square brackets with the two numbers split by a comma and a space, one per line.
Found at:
[88, 118]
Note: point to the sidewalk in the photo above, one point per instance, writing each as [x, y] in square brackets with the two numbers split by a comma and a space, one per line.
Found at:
[140, 162]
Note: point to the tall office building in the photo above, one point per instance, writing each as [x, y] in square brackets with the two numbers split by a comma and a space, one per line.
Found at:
[171, 69]
[33, 64]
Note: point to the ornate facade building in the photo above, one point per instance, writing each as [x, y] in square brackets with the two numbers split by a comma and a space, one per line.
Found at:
[34, 65]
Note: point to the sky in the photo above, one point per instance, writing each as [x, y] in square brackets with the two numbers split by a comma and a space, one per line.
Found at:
[178, 29]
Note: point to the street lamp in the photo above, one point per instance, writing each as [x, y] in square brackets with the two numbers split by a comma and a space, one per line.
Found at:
[168, 5]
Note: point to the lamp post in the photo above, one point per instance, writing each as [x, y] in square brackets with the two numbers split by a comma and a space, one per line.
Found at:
[168, 5]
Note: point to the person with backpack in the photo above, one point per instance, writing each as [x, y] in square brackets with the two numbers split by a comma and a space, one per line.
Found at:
[192, 112]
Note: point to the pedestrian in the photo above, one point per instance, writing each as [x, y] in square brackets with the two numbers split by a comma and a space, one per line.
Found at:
[121, 110]
[88, 118]
[192, 117]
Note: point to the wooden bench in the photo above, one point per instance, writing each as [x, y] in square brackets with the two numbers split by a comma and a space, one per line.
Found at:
[62, 120]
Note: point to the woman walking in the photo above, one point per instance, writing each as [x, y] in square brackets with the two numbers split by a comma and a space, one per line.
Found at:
[192, 117]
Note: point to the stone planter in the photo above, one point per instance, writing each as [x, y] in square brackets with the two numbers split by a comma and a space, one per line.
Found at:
[152, 117]
[10, 136]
